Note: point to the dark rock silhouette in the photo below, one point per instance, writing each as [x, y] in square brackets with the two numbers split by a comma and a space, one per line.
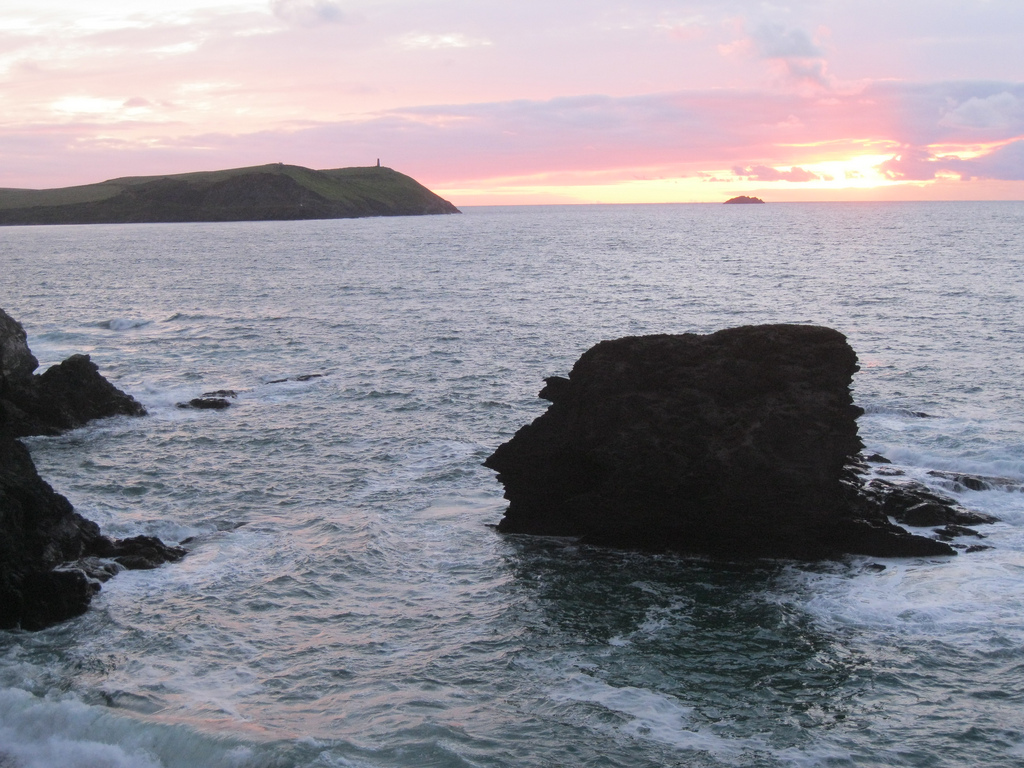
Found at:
[734, 444]
[744, 200]
[51, 558]
[64, 397]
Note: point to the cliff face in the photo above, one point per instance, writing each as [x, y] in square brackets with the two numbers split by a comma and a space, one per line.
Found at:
[263, 193]
[733, 444]
[51, 558]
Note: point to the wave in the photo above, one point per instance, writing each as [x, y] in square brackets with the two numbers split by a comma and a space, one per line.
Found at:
[887, 410]
[40, 732]
[124, 323]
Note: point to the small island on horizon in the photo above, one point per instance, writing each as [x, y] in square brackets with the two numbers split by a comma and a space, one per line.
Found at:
[744, 200]
[274, 192]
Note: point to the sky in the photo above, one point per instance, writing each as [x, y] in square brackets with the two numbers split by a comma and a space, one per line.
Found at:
[527, 101]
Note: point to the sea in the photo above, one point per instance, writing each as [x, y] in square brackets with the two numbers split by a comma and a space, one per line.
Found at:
[346, 600]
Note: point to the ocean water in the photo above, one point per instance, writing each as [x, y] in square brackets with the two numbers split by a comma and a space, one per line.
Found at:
[345, 600]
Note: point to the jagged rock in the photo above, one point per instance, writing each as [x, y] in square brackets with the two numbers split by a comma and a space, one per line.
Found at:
[877, 458]
[138, 552]
[732, 444]
[911, 503]
[64, 397]
[50, 556]
[39, 530]
[16, 360]
[949, 532]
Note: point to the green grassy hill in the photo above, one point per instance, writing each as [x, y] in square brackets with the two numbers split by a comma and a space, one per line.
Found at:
[258, 193]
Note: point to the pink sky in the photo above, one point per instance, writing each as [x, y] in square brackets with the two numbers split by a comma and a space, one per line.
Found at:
[527, 101]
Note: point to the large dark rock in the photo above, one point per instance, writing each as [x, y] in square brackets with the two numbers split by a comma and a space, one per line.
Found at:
[65, 396]
[733, 444]
[49, 566]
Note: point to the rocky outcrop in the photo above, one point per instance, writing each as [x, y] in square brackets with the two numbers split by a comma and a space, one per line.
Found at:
[744, 200]
[65, 396]
[734, 444]
[51, 558]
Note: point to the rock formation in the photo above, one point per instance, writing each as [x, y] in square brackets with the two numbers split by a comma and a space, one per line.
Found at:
[737, 444]
[744, 200]
[51, 558]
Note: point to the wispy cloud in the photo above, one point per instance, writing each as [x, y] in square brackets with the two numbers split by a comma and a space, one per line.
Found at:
[419, 41]
[309, 13]
[767, 173]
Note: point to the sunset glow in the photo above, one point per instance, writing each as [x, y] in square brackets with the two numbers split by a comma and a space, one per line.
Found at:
[657, 101]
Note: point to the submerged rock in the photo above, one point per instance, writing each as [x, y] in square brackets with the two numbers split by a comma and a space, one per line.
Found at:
[49, 554]
[303, 377]
[732, 444]
[206, 403]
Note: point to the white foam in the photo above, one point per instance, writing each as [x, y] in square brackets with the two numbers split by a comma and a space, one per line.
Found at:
[979, 591]
[651, 715]
[1008, 465]
[40, 732]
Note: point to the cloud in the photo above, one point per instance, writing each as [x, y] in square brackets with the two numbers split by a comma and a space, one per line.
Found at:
[767, 173]
[813, 72]
[85, 105]
[1006, 163]
[416, 41]
[1000, 111]
[774, 41]
[790, 52]
[913, 164]
[308, 13]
